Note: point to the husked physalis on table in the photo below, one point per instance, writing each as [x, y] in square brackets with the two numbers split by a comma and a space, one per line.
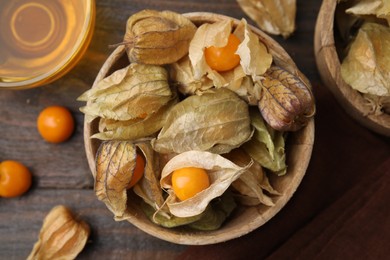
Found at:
[15, 179]
[55, 124]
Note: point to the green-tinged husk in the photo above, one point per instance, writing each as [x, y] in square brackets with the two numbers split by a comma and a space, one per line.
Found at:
[267, 146]
[217, 122]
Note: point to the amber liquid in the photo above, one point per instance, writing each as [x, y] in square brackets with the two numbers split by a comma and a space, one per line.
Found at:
[36, 36]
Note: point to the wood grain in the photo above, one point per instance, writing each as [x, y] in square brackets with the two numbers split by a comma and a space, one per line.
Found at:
[29, 211]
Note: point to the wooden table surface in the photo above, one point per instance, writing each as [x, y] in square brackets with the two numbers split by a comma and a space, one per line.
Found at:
[340, 210]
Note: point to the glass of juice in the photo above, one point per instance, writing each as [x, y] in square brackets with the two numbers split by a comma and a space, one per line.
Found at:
[41, 40]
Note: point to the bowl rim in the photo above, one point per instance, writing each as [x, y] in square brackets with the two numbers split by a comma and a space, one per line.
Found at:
[304, 141]
[75, 54]
[328, 64]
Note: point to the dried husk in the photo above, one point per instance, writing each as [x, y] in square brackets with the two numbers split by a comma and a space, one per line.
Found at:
[254, 55]
[215, 34]
[272, 16]
[250, 50]
[194, 76]
[61, 237]
[367, 65]
[148, 188]
[130, 93]
[252, 186]
[217, 122]
[378, 8]
[115, 163]
[154, 37]
[267, 146]
[182, 73]
[286, 103]
[221, 171]
[241, 84]
[134, 129]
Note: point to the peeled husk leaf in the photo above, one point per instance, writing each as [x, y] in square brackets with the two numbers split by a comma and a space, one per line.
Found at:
[115, 163]
[286, 103]
[267, 146]
[379, 8]
[130, 93]
[250, 186]
[272, 16]
[182, 73]
[217, 122]
[154, 37]
[61, 237]
[254, 55]
[367, 65]
[221, 171]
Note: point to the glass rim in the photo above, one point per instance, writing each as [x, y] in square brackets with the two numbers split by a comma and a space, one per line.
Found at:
[66, 64]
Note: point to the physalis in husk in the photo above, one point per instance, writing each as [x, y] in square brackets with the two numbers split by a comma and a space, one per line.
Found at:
[190, 116]
[217, 121]
[157, 38]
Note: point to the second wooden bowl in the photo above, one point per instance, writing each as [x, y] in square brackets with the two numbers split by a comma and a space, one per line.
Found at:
[244, 219]
[328, 63]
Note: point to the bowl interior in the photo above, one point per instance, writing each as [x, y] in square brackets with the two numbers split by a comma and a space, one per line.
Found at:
[299, 149]
[36, 59]
[327, 45]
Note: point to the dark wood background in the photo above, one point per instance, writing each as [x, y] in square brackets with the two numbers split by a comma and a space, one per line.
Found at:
[339, 211]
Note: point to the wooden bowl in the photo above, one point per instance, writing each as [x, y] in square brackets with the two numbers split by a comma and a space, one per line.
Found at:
[328, 64]
[244, 219]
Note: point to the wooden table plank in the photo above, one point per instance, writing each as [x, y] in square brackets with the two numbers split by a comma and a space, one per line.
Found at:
[22, 218]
